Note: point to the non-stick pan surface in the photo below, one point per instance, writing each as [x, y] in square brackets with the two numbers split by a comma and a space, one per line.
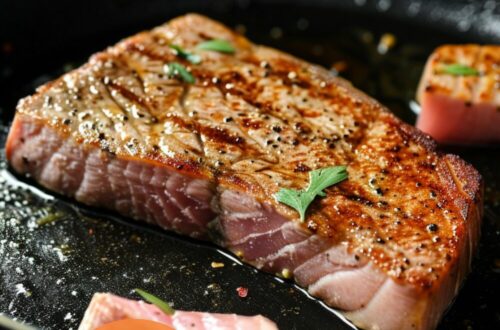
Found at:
[49, 272]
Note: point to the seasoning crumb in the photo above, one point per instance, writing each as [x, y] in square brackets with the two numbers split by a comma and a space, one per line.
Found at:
[135, 238]
[239, 254]
[286, 273]
[387, 41]
[339, 67]
[242, 291]
[215, 264]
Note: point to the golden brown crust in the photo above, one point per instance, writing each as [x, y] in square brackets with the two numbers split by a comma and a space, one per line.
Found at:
[480, 88]
[259, 120]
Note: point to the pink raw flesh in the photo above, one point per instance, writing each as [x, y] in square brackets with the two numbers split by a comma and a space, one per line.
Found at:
[105, 308]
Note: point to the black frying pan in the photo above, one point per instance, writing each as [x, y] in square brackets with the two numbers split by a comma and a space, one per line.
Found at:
[49, 273]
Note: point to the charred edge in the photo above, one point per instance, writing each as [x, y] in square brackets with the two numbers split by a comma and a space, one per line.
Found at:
[235, 180]
[360, 199]
[301, 168]
[252, 123]
[247, 94]
[281, 68]
[215, 134]
[181, 165]
[115, 101]
[144, 50]
[220, 135]
[182, 102]
[410, 133]
[467, 180]
[128, 94]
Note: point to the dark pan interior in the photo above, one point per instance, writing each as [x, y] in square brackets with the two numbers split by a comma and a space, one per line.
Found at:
[49, 272]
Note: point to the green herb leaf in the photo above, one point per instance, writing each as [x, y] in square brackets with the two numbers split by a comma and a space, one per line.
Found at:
[179, 51]
[459, 70]
[178, 70]
[299, 200]
[218, 45]
[318, 181]
[165, 307]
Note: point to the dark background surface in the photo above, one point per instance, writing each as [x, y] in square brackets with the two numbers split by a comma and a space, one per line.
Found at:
[49, 273]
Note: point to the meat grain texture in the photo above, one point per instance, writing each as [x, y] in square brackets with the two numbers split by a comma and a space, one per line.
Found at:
[461, 109]
[105, 308]
[389, 246]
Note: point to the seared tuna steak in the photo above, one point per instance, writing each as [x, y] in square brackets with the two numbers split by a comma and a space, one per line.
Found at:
[105, 308]
[389, 246]
[459, 94]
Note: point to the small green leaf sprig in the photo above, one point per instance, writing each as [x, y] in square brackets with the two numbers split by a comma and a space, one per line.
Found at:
[318, 181]
[179, 71]
[162, 305]
[457, 69]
